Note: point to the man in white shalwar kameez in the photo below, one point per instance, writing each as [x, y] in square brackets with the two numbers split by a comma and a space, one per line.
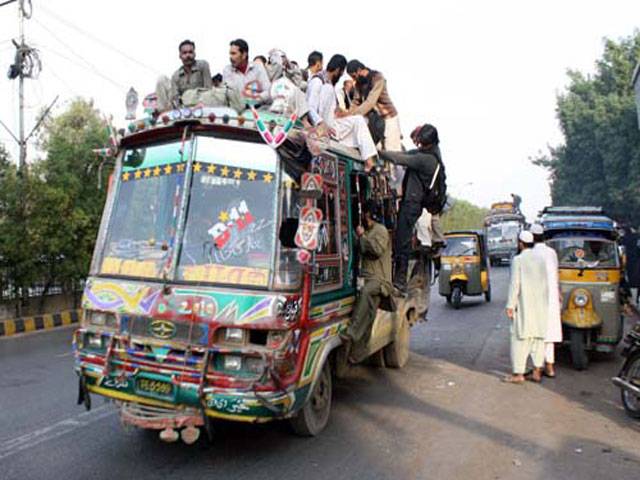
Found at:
[554, 320]
[527, 307]
[322, 99]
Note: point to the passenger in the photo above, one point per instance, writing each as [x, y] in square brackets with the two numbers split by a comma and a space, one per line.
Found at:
[191, 75]
[350, 130]
[424, 166]
[372, 95]
[216, 80]
[250, 79]
[279, 64]
[260, 59]
[375, 248]
[315, 64]
[286, 96]
[345, 94]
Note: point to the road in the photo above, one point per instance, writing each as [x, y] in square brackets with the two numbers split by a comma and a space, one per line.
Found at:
[446, 415]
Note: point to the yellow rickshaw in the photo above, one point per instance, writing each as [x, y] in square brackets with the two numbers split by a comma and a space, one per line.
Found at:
[465, 267]
[590, 271]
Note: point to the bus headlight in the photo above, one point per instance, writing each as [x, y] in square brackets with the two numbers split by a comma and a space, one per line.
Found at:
[101, 319]
[234, 335]
[232, 362]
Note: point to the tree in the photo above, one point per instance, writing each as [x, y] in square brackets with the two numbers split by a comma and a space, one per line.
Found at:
[598, 162]
[463, 215]
[69, 198]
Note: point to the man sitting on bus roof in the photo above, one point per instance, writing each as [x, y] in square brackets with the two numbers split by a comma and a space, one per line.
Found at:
[375, 248]
[191, 75]
[350, 130]
[248, 78]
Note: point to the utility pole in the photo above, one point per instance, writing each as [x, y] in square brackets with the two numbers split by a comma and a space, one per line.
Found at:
[21, 52]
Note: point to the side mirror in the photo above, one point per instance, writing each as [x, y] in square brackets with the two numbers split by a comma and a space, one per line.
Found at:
[287, 233]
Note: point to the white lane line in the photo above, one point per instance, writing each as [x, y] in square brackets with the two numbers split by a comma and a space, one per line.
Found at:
[67, 354]
[31, 439]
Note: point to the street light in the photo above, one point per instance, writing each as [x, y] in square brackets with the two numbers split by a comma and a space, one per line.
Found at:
[636, 87]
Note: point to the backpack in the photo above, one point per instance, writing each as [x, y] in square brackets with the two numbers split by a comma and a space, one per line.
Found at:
[435, 194]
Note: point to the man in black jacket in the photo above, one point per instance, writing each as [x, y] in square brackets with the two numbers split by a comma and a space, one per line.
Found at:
[423, 166]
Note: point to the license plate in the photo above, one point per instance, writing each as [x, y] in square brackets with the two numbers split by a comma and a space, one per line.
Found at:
[154, 388]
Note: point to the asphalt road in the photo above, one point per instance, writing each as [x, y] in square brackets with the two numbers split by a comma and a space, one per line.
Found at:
[446, 415]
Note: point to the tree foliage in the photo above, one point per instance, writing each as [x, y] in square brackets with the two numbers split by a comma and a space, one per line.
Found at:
[463, 215]
[599, 161]
[49, 214]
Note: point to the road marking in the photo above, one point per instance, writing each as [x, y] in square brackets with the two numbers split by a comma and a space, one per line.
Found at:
[67, 354]
[45, 434]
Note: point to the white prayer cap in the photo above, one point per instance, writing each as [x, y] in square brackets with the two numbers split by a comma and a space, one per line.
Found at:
[526, 237]
[536, 229]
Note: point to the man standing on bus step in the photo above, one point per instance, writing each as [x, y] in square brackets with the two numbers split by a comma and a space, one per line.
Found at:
[375, 249]
[425, 174]
[554, 318]
[250, 79]
[192, 74]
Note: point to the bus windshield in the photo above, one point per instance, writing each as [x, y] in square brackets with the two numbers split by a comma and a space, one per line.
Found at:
[230, 225]
[140, 236]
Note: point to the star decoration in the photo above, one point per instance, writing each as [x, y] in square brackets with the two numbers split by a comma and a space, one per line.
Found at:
[223, 217]
[138, 174]
[125, 176]
[211, 168]
[197, 167]
[251, 175]
[180, 167]
[147, 173]
[167, 170]
[225, 171]
[267, 177]
[156, 171]
[237, 173]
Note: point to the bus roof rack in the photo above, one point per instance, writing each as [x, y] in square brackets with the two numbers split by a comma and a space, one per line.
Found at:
[573, 211]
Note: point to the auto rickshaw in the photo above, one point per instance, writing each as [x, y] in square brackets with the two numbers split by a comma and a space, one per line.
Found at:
[464, 267]
[590, 270]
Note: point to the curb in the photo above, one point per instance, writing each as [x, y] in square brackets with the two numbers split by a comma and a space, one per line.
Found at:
[47, 321]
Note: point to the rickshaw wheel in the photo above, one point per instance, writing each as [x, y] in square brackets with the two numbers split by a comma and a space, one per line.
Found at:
[631, 373]
[314, 416]
[396, 354]
[487, 294]
[579, 357]
[456, 297]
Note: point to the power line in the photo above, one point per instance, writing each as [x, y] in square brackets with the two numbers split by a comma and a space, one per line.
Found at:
[99, 40]
[90, 65]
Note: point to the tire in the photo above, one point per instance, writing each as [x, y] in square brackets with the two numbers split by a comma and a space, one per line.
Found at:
[448, 297]
[396, 354]
[579, 357]
[456, 297]
[631, 372]
[487, 295]
[314, 416]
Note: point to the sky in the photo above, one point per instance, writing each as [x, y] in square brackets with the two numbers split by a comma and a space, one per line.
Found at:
[485, 73]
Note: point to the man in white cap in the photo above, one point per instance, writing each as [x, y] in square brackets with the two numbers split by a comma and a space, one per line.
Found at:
[527, 308]
[554, 322]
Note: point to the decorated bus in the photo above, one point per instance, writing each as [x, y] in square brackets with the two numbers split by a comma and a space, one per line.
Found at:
[224, 272]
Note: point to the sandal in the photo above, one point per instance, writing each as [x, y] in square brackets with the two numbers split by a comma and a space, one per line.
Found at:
[514, 380]
[530, 377]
